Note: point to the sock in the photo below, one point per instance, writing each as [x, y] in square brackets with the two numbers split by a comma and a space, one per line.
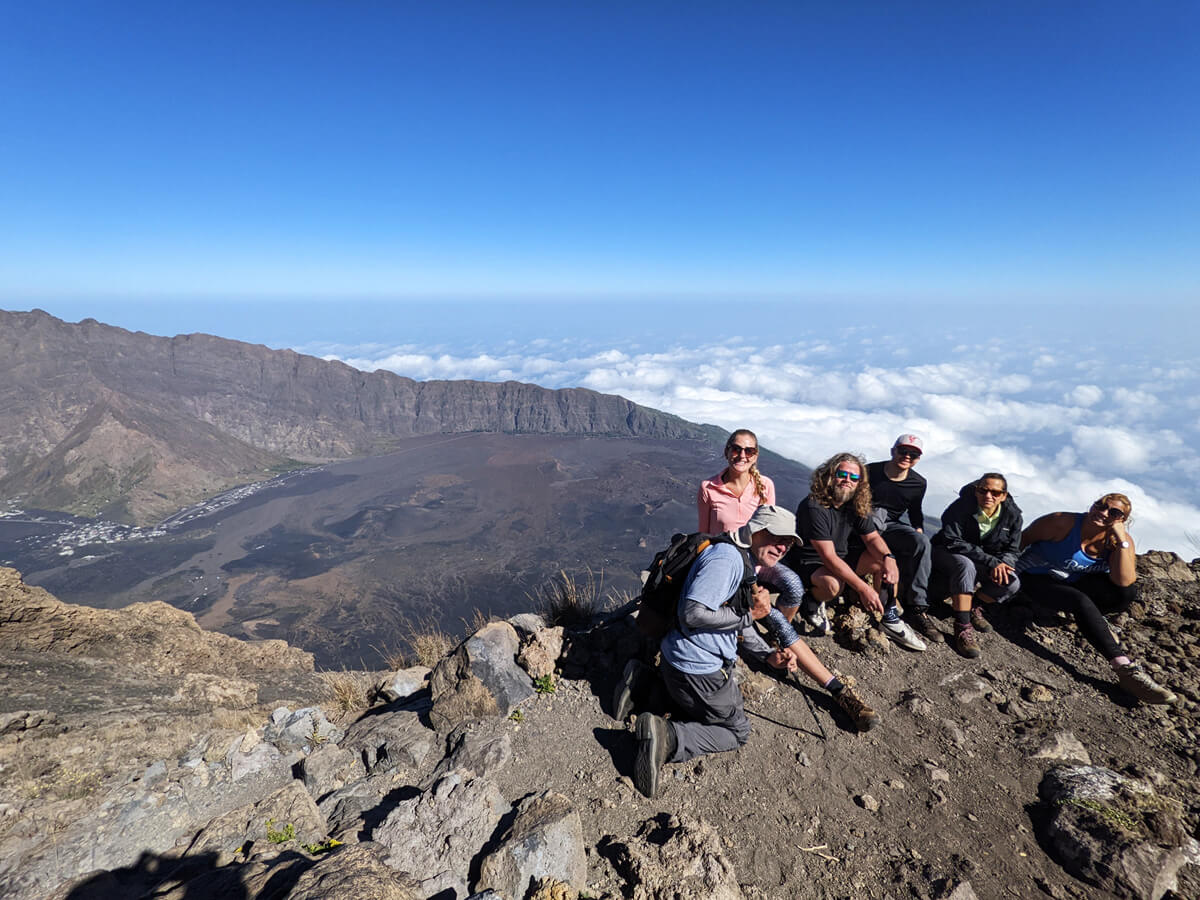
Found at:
[834, 685]
[962, 617]
[890, 615]
[1118, 661]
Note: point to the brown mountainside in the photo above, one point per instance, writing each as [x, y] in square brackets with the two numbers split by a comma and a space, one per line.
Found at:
[95, 419]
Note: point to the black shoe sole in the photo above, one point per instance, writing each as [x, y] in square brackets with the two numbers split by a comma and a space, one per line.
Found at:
[645, 767]
[623, 696]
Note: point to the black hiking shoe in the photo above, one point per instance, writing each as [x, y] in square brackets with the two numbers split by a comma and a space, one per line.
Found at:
[1134, 679]
[924, 625]
[965, 641]
[656, 744]
[629, 683]
[855, 707]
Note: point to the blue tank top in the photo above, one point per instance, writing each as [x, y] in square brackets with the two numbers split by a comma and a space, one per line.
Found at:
[1064, 559]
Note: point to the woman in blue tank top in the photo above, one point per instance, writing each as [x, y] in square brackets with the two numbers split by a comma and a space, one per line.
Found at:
[1084, 564]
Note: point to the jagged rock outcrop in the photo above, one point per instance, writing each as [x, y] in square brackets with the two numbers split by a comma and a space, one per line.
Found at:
[545, 840]
[100, 419]
[153, 636]
[481, 678]
[675, 858]
[939, 801]
[1116, 832]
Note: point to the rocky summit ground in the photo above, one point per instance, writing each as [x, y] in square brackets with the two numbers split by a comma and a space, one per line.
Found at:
[141, 756]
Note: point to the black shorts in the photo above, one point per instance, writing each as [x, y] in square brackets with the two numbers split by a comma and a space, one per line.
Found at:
[807, 570]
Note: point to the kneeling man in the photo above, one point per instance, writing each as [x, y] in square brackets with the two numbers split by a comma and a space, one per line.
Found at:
[700, 651]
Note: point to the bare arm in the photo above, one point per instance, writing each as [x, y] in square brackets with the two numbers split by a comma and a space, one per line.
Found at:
[1122, 561]
[878, 548]
[837, 567]
[1050, 527]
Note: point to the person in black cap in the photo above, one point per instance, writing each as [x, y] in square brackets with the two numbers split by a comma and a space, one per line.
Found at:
[898, 490]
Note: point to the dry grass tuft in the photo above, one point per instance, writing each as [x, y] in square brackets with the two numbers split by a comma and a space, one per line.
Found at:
[347, 691]
[571, 601]
[426, 644]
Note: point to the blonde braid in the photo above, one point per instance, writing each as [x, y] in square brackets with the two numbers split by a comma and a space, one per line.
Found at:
[759, 487]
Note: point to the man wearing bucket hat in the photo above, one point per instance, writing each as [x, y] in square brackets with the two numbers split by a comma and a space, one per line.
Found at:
[700, 650]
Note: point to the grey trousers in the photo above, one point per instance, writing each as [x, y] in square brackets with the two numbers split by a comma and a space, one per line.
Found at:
[710, 707]
[911, 549]
[962, 573]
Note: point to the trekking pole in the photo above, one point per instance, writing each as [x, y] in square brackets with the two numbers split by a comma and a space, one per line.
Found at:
[808, 700]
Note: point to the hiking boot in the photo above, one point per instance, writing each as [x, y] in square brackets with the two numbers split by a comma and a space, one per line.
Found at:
[863, 716]
[901, 632]
[965, 641]
[631, 679]
[1135, 681]
[923, 624]
[981, 624]
[816, 617]
[656, 744]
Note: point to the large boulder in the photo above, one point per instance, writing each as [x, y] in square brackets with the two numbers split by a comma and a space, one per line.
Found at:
[433, 837]
[286, 817]
[328, 768]
[473, 750]
[540, 652]
[1115, 832]
[402, 684]
[545, 840]
[388, 740]
[479, 679]
[356, 872]
[674, 858]
[302, 729]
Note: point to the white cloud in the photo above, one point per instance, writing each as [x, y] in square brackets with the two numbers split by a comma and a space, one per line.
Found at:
[1027, 414]
[1085, 395]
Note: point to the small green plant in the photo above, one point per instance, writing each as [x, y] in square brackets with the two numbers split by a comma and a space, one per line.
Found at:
[1113, 814]
[545, 684]
[283, 835]
[517, 716]
[323, 847]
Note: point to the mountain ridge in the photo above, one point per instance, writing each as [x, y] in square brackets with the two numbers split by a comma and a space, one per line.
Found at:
[277, 408]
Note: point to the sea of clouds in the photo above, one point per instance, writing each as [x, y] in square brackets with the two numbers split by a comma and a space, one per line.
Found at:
[1065, 420]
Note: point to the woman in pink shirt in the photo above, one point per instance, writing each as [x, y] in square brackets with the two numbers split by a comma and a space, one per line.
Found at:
[728, 500]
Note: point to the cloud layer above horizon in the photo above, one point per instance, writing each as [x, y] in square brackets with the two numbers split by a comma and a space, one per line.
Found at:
[1065, 420]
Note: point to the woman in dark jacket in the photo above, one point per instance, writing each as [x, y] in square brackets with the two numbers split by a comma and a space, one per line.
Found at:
[980, 542]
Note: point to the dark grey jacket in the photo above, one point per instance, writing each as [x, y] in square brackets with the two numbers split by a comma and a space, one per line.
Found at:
[960, 531]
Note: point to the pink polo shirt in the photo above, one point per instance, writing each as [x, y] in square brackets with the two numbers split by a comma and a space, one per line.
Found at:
[722, 510]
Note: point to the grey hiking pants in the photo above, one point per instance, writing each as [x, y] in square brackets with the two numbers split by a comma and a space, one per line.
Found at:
[911, 549]
[711, 718]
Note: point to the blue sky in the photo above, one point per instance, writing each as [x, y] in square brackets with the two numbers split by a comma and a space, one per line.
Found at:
[939, 150]
[831, 222]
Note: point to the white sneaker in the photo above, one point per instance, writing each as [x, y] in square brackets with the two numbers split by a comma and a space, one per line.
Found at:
[816, 618]
[902, 633]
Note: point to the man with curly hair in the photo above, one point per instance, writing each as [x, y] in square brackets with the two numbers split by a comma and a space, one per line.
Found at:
[837, 506]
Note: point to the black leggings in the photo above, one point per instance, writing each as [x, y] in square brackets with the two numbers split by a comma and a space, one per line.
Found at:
[1089, 599]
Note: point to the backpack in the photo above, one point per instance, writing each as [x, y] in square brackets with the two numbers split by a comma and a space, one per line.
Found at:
[659, 600]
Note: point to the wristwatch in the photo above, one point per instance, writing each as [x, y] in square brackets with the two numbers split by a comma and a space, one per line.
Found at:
[1124, 545]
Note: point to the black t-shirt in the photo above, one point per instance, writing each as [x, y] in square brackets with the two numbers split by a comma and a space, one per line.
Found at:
[815, 522]
[897, 497]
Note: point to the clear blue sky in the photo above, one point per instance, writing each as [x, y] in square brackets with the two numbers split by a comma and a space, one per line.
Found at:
[955, 151]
